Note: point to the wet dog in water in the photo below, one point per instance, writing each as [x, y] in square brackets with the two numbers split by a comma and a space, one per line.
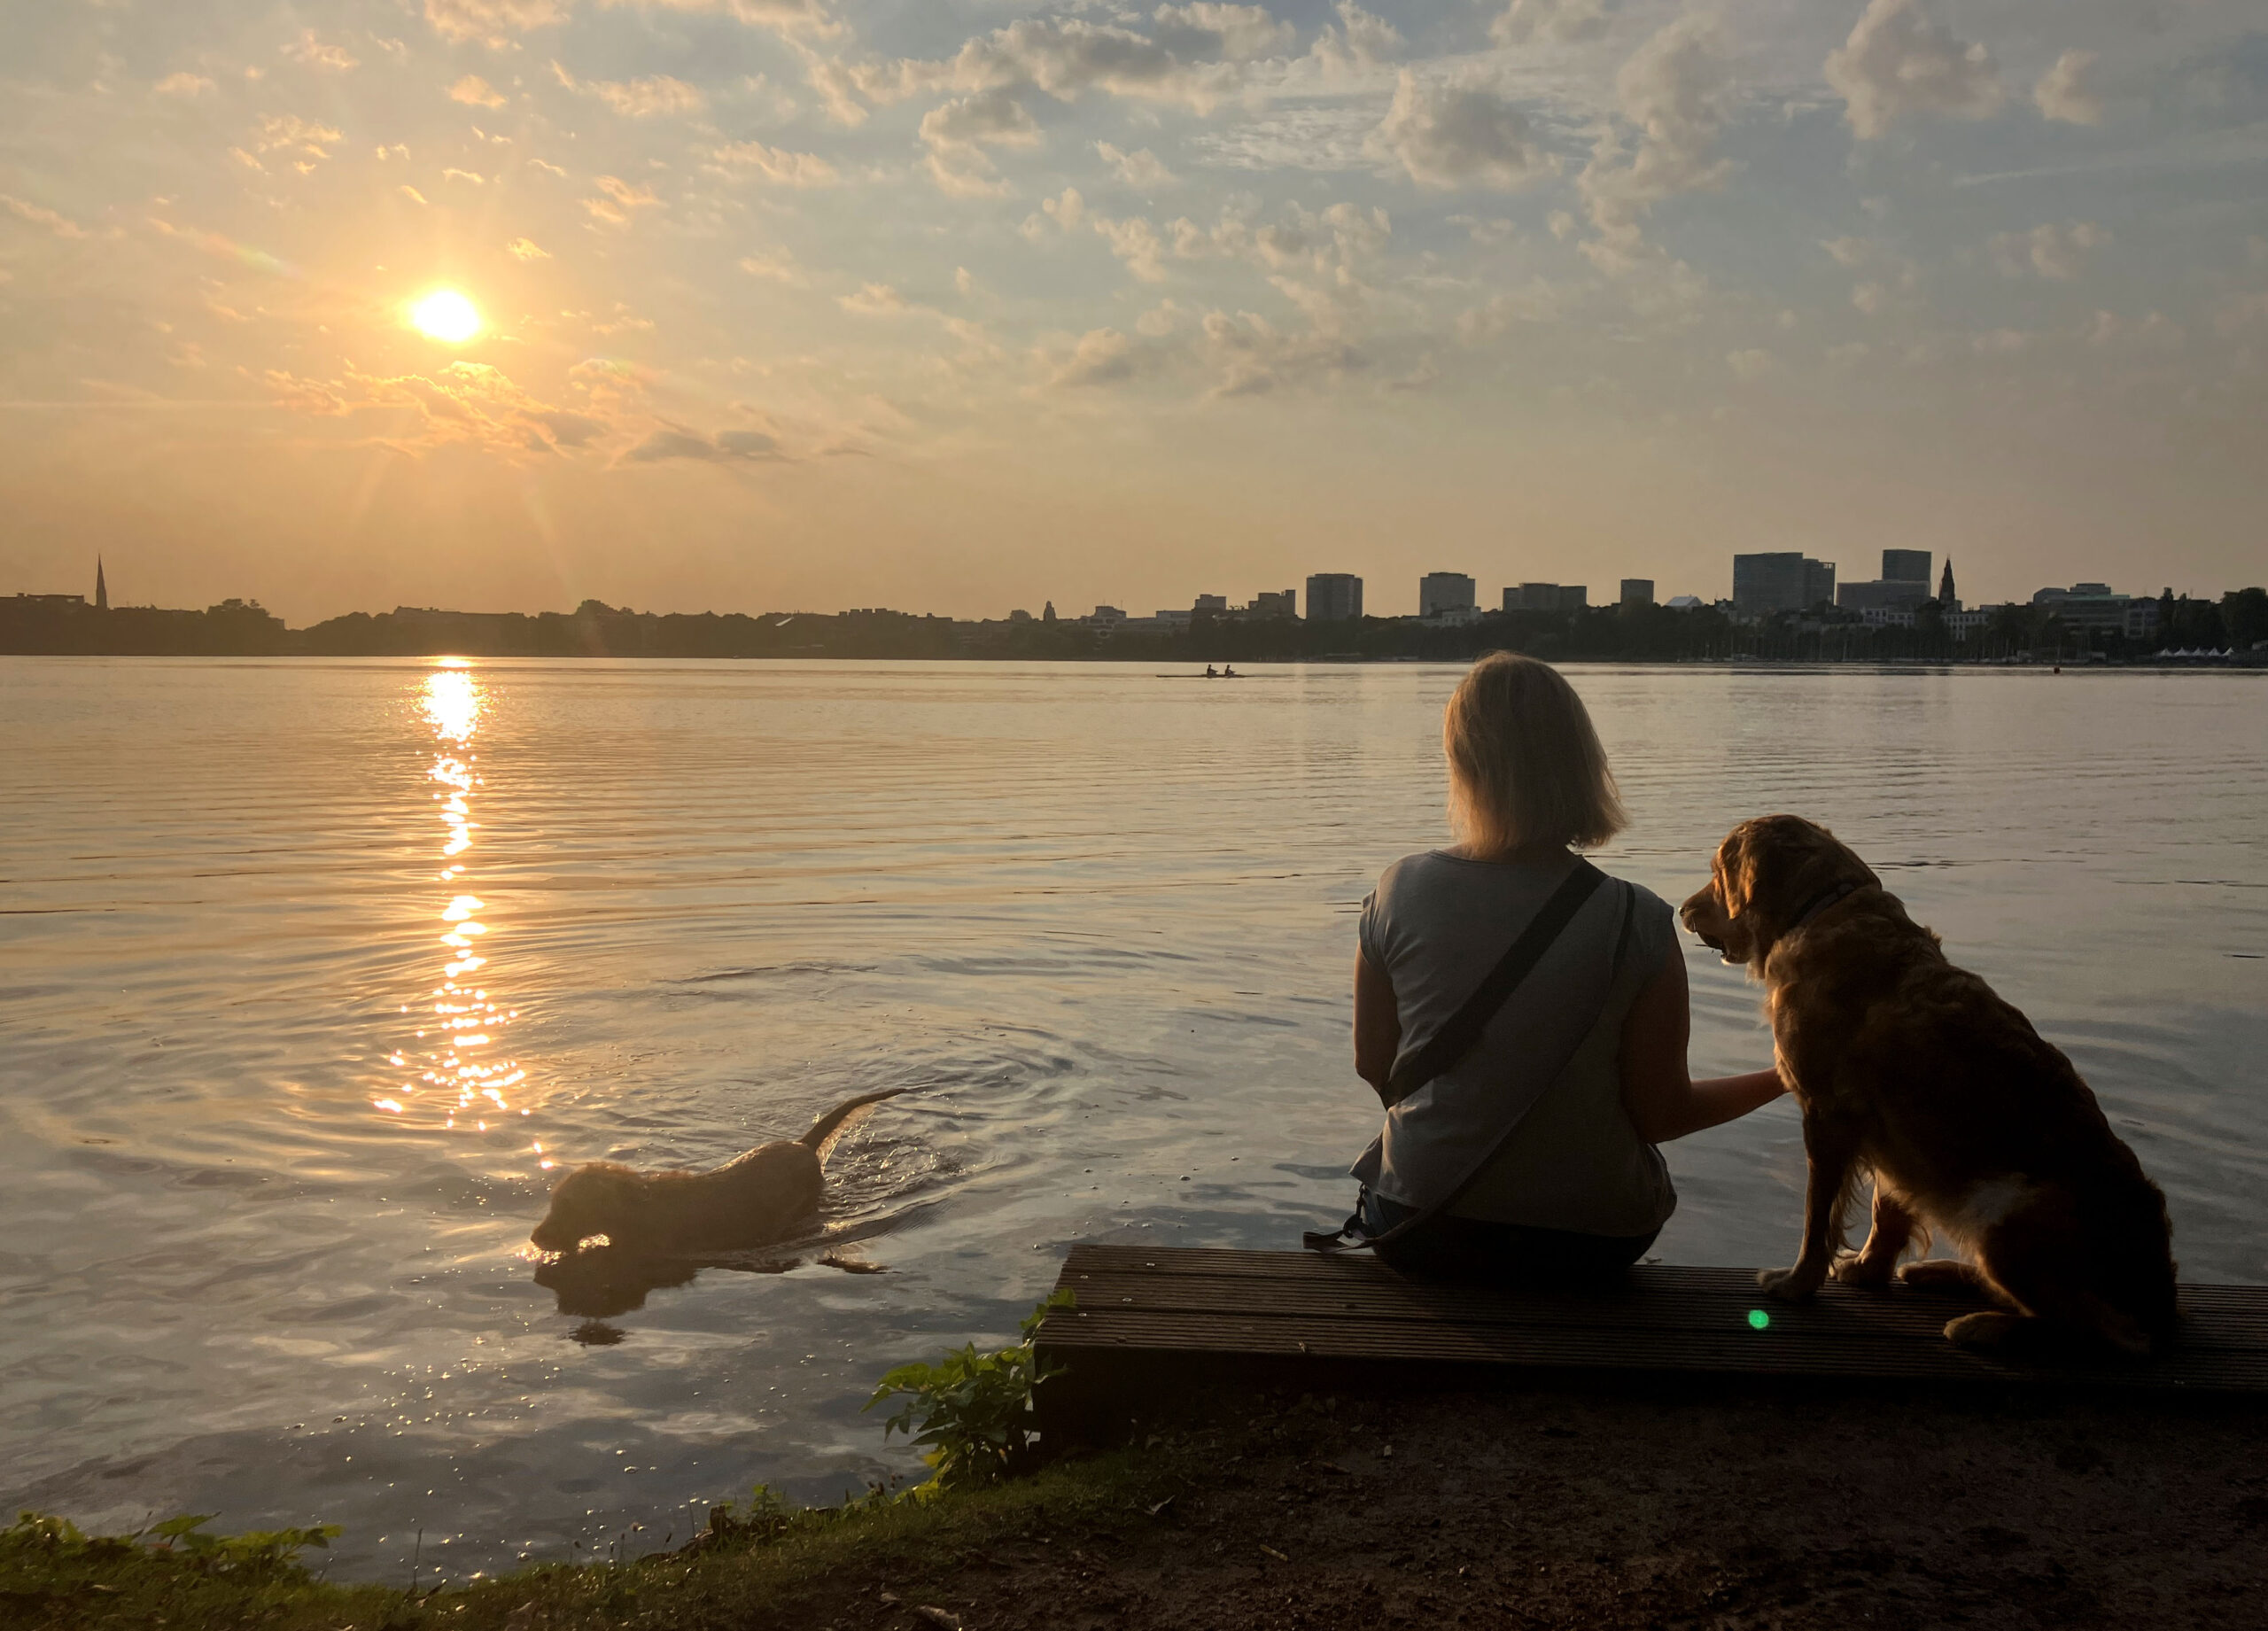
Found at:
[753, 1199]
[1970, 1121]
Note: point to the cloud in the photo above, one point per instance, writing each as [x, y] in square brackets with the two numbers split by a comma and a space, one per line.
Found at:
[1898, 63]
[2063, 92]
[957, 133]
[1562, 20]
[527, 249]
[182, 84]
[313, 52]
[778, 267]
[1461, 132]
[1255, 357]
[1231, 32]
[1102, 357]
[454, 174]
[776, 164]
[39, 215]
[637, 98]
[1065, 58]
[1751, 364]
[2049, 250]
[872, 300]
[464, 404]
[621, 199]
[412, 194]
[1141, 169]
[1359, 42]
[724, 447]
[475, 92]
[1136, 242]
[492, 22]
[286, 132]
[784, 16]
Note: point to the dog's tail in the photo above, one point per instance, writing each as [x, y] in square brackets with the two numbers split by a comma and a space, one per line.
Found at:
[824, 1129]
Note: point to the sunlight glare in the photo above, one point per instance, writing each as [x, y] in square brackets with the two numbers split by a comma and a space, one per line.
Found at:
[446, 315]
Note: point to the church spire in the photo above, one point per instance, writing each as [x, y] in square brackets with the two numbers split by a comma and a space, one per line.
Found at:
[1945, 587]
[102, 589]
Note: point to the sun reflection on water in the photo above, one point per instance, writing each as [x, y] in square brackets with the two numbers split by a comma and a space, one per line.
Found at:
[457, 1074]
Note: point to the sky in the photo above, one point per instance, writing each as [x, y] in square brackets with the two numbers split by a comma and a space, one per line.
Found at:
[958, 306]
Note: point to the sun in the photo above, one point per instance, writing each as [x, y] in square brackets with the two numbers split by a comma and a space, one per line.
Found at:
[446, 315]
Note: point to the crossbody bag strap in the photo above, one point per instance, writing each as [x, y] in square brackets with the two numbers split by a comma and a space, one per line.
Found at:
[1457, 1037]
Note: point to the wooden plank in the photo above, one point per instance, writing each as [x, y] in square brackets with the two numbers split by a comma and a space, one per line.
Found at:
[1166, 1310]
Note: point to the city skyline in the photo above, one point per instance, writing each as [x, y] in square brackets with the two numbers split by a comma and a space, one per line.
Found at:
[686, 303]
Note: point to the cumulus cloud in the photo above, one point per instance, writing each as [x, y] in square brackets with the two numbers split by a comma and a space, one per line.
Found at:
[527, 249]
[1255, 357]
[776, 164]
[1457, 133]
[789, 16]
[1065, 58]
[777, 266]
[1102, 357]
[872, 300]
[464, 404]
[957, 133]
[313, 52]
[182, 84]
[1359, 42]
[1898, 63]
[2046, 250]
[637, 98]
[724, 447]
[1549, 20]
[302, 135]
[492, 22]
[618, 200]
[1140, 169]
[40, 215]
[1136, 242]
[1232, 33]
[475, 92]
[2065, 93]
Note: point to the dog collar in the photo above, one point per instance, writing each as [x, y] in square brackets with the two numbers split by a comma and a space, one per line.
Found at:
[1821, 901]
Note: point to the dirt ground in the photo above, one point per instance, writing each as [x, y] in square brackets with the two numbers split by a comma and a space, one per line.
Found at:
[1598, 1512]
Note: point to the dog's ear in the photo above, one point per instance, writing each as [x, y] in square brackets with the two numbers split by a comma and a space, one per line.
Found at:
[1735, 869]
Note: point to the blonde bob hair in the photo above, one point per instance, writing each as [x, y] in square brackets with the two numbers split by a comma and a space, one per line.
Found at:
[1525, 767]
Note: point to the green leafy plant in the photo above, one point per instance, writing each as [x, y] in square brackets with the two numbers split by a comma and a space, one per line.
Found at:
[261, 1551]
[972, 1409]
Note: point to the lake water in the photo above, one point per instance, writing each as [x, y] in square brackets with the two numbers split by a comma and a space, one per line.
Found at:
[306, 969]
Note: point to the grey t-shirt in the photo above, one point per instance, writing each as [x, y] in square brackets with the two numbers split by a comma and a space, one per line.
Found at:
[1545, 1078]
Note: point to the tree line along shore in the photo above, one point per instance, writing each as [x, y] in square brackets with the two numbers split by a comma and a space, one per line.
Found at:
[2233, 628]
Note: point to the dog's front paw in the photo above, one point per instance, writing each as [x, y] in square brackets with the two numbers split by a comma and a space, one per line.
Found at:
[1859, 1269]
[1795, 1285]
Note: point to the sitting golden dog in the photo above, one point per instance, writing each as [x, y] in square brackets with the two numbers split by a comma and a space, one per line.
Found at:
[752, 1199]
[1970, 1122]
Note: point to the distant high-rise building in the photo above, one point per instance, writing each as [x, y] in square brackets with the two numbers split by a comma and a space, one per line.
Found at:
[1333, 597]
[1905, 566]
[1205, 604]
[1763, 584]
[1444, 592]
[1637, 591]
[1819, 584]
[1275, 603]
[1049, 615]
[1947, 600]
[1553, 597]
[102, 589]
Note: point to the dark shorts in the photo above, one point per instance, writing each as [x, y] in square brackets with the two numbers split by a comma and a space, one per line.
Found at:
[1464, 1248]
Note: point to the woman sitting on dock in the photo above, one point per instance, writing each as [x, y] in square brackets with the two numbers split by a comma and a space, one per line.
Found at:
[1522, 1016]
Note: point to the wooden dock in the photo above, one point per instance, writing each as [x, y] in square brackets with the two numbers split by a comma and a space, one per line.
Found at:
[1152, 1321]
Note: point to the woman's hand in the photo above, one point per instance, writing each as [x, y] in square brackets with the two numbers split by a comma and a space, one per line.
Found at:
[1378, 1025]
[1663, 1100]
